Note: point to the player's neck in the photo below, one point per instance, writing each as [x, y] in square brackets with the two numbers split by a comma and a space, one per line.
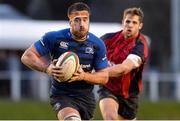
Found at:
[130, 37]
[79, 39]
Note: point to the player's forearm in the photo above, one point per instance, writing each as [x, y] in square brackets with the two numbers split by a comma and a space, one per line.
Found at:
[115, 71]
[120, 69]
[100, 77]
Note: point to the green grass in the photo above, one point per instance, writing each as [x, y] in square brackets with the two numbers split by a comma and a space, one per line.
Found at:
[34, 110]
[26, 110]
[163, 110]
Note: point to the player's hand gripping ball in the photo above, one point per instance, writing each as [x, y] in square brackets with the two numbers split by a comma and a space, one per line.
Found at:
[69, 61]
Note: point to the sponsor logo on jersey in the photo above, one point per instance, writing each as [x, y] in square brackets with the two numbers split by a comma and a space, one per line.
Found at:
[105, 57]
[85, 66]
[63, 45]
[89, 50]
[41, 40]
[57, 106]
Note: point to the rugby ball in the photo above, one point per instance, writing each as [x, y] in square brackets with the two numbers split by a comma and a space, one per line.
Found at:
[69, 61]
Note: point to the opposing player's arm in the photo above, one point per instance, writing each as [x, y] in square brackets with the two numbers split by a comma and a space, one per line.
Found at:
[99, 77]
[33, 60]
[130, 63]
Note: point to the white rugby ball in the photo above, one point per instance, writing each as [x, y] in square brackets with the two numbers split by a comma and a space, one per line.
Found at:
[70, 63]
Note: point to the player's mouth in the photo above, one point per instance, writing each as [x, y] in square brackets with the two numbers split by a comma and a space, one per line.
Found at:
[129, 30]
[81, 29]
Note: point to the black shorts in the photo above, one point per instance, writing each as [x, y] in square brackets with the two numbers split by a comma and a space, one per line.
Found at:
[84, 104]
[128, 107]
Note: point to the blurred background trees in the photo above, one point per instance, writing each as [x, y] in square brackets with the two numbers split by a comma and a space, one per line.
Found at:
[156, 21]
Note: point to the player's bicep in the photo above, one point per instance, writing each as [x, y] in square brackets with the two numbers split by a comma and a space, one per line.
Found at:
[34, 51]
[29, 55]
[129, 64]
[135, 60]
[138, 50]
[31, 52]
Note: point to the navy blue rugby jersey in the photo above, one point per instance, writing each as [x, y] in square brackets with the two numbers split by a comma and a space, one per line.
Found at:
[91, 52]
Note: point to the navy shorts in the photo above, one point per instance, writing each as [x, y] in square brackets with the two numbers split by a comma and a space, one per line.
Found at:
[128, 107]
[84, 104]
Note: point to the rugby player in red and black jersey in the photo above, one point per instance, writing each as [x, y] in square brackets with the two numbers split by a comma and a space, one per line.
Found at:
[127, 52]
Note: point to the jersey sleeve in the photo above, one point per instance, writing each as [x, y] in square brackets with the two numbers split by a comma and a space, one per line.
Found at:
[44, 45]
[107, 36]
[141, 50]
[101, 58]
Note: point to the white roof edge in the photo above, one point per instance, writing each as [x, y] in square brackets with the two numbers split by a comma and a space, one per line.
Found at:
[20, 34]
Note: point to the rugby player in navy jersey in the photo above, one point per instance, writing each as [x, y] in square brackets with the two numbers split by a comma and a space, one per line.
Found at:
[72, 100]
[127, 52]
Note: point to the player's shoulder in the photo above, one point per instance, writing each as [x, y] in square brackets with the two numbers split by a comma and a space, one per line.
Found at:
[93, 38]
[58, 33]
[143, 39]
[141, 36]
[109, 35]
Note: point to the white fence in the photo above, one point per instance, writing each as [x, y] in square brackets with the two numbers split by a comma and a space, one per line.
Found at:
[39, 85]
[39, 82]
[154, 80]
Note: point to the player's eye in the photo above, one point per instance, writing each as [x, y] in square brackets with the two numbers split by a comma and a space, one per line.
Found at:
[85, 19]
[128, 21]
[76, 20]
[134, 22]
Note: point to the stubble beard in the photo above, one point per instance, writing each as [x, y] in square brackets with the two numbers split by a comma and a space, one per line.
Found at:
[80, 35]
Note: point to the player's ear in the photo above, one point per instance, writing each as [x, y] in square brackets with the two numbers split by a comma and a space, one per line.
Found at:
[140, 26]
[70, 22]
[122, 22]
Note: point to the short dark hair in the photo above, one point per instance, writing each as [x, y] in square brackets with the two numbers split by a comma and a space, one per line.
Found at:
[79, 6]
[134, 11]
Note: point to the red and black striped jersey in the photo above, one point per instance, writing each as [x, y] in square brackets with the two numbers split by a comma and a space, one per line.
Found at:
[118, 48]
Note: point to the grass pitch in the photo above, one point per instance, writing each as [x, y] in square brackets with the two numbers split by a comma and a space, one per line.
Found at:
[34, 110]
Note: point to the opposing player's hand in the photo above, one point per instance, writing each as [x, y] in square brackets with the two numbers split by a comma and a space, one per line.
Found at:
[54, 71]
[78, 76]
[110, 63]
